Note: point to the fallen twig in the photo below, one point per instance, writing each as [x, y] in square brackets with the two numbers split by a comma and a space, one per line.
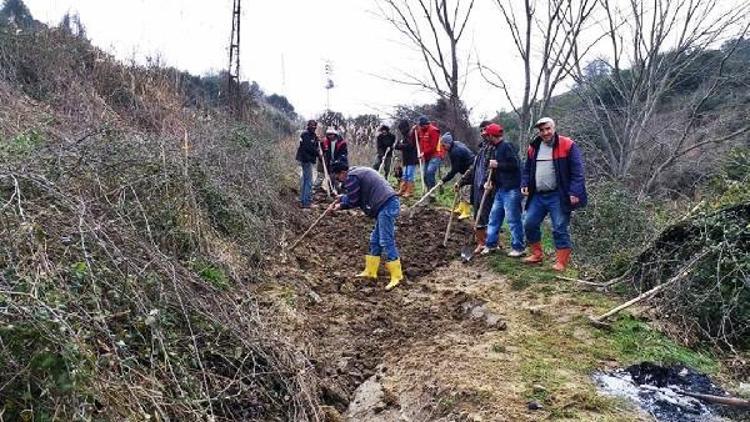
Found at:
[599, 320]
[609, 283]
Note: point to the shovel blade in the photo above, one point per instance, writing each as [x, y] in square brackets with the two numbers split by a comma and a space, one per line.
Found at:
[467, 252]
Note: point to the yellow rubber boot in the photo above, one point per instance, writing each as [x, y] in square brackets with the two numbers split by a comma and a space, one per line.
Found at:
[371, 267]
[465, 210]
[394, 268]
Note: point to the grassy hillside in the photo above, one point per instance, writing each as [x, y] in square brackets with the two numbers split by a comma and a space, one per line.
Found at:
[134, 214]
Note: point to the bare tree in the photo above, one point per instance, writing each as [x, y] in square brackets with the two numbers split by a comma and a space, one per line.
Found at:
[545, 37]
[435, 28]
[652, 46]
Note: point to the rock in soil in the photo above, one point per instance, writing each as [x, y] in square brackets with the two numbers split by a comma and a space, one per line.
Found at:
[535, 405]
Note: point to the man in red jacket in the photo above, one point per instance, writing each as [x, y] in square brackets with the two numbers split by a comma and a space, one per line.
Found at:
[429, 146]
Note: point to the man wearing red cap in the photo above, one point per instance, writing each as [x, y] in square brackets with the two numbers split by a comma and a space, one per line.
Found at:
[476, 176]
[507, 183]
[554, 183]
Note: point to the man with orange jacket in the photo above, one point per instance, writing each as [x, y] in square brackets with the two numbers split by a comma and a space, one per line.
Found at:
[429, 146]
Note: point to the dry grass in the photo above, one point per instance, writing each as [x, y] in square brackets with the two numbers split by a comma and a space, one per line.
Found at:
[131, 227]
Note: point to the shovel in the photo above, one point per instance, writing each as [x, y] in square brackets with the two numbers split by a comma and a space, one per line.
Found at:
[317, 221]
[327, 180]
[450, 220]
[421, 158]
[467, 252]
[424, 198]
[382, 161]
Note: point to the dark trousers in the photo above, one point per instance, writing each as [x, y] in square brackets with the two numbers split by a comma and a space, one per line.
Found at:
[386, 165]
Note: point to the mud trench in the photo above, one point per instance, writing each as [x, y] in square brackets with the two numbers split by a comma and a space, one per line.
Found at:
[355, 324]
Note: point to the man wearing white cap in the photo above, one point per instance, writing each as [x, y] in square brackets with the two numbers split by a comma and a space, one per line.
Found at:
[553, 181]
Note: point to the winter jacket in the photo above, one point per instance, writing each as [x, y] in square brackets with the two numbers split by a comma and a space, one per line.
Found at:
[307, 151]
[340, 153]
[408, 149]
[461, 159]
[429, 142]
[476, 176]
[508, 172]
[568, 163]
[385, 141]
[367, 189]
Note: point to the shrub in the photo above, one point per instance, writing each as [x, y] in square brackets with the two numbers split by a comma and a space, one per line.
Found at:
[130, 225]
[710, 254]
[611, 230]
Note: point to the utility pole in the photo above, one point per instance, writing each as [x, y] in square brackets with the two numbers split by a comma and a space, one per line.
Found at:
[233, 79]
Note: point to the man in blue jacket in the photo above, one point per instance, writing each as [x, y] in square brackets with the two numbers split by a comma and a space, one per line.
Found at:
[507, 184]
[553, 181]
[307, 154]
[368, 190]
[461, 159]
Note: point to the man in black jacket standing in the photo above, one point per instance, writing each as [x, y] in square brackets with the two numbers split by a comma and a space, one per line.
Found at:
[384, 143]
[307, 154]
[409, 158]
[461, 159]
[507, 183]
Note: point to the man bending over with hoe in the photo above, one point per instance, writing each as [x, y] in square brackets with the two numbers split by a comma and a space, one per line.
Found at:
[368, 190]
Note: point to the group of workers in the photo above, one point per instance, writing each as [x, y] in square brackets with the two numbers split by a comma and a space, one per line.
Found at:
[493, 184]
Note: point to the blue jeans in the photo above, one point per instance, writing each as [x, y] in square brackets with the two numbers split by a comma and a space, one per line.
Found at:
[432, 167]
[507, 203]
[305, 190]
[410, 172]
[383, 235]
[541, 204]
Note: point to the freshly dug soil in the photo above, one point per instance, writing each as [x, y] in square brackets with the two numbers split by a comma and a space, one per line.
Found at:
[355, 322]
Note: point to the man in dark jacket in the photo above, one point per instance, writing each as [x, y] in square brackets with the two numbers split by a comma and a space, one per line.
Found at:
[307, 154]
[384, 144]
[553, 181]
[461, 159]
[409, 158]
[507, 184]
[476, 176]
[368, 190]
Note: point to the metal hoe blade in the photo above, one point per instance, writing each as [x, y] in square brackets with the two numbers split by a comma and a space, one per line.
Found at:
[467, 252]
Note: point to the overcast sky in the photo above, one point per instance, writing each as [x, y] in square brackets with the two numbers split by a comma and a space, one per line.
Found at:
[194, 35]
[285, 44]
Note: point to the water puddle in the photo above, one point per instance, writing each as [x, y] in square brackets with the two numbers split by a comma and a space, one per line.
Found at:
[660, 392]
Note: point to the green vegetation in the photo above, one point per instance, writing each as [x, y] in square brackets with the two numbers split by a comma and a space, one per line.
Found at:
[559, 349]
[636, 341]
[20, 146]
[211, 274]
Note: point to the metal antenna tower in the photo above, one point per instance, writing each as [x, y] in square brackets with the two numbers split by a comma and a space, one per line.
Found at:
[328, 69]
[233, 82]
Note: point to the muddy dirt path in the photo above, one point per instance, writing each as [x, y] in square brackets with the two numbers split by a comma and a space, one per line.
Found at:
[448, 344]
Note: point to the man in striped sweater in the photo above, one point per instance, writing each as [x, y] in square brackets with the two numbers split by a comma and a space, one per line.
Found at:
[368, 190]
